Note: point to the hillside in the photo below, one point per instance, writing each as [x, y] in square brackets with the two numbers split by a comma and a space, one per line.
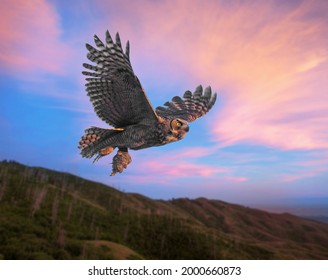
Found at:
[52, 215]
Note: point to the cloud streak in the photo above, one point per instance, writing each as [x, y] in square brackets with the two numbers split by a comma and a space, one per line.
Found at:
[168, 168]
[30, 38]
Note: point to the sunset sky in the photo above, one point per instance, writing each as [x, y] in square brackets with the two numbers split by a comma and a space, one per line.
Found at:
[265, 142]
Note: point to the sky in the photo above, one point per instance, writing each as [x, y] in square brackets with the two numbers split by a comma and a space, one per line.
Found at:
[265, 142]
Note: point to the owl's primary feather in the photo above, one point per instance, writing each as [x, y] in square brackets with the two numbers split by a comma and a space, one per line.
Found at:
[119, 99]
[191, 107]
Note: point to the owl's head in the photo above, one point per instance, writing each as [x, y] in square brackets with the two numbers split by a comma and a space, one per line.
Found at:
[179, 128]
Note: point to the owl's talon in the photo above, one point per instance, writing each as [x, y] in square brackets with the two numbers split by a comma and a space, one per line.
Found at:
[120, 161]
[103, 152]
[97, 158]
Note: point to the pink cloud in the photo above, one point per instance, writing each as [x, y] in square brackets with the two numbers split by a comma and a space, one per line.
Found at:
[311, 172]
[181, 163]
[179, 169]
[187, 153]
[276, 82]
[236, 179]
[168, 167]
[166, 172]
[307, 168]
[30, 38]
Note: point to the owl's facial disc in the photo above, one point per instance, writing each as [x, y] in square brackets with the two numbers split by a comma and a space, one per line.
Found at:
[179, 125]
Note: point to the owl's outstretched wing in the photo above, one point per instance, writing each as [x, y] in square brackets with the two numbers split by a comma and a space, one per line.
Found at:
[191, 107]
[114, 90]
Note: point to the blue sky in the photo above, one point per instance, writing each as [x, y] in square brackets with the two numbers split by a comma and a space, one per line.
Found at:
[264, 142]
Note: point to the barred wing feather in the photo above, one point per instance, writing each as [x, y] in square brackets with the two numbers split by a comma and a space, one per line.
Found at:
[191, 107]
[114, 90]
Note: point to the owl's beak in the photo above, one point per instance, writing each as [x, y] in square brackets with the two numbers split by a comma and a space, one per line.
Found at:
[187, 128]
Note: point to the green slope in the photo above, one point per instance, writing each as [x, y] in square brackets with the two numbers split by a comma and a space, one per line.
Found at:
[52, 215]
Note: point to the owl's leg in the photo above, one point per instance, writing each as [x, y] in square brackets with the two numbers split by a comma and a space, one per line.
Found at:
[120, 161]
[103, 152]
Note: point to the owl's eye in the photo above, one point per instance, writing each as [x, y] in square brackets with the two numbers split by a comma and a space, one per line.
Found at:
[176, 124]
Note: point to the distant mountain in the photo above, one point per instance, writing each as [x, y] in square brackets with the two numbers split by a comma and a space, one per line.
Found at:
[312, 209]
[322, 218]
[47, 214]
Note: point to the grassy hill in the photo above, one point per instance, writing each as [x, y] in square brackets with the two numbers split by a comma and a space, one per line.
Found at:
[52, 215]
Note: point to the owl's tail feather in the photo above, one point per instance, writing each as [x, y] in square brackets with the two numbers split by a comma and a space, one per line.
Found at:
[97, 140]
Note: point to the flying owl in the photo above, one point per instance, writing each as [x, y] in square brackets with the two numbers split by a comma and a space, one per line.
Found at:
[119, 100]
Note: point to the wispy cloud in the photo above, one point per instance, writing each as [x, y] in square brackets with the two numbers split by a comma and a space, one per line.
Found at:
[30, 38]
[236, 179]
[179, 169]
[169, 167]
[314, 166]
[277, 75]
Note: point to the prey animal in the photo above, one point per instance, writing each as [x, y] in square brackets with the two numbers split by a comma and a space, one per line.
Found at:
[119, 100]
